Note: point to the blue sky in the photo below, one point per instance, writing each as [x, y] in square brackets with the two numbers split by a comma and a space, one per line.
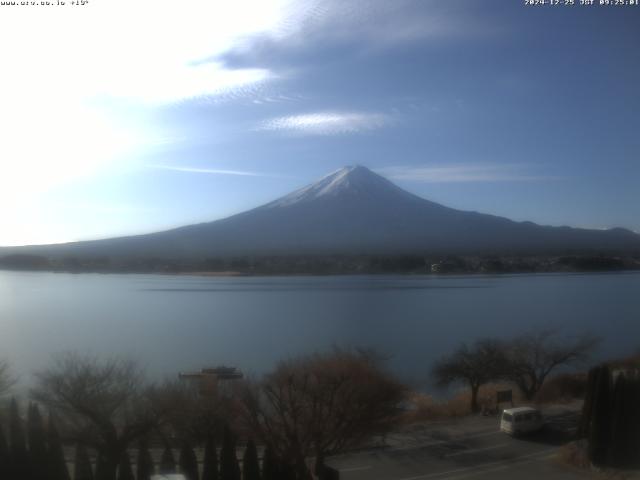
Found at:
[124, 117]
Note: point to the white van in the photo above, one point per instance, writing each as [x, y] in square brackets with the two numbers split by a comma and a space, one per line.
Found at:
[520, 420]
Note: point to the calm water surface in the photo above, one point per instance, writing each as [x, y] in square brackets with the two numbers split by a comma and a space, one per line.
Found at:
[173, 323]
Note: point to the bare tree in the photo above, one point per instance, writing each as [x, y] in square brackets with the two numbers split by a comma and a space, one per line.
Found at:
[322, 404]
[188, 413]
[474, 365]
[102, 403]
[533, 356]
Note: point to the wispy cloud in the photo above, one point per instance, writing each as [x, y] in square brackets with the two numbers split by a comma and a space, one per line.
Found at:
[213, 171]
[387, 23]
[464, 173]
[315, 25]
[141, 63]
[93, 113]
[327, 123]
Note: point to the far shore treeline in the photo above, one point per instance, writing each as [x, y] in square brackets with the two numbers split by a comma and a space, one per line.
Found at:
[329, 264]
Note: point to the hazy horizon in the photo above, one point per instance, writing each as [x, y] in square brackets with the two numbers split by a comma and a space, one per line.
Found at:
[301, 188]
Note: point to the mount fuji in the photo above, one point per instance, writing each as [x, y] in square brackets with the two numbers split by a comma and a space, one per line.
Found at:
[352, 211]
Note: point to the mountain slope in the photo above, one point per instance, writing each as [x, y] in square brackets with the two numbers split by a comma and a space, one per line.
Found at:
[353, 210]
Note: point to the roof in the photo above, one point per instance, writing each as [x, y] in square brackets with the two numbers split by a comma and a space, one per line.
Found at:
[520, 410]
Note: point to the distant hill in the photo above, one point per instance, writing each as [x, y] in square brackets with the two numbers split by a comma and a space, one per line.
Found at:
[351, 211]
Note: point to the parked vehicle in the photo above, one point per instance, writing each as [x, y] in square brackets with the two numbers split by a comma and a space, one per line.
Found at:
[515, 421]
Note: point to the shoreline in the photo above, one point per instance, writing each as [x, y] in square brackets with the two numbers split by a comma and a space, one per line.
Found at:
[237, 274]
[331, 265]
[229, 273]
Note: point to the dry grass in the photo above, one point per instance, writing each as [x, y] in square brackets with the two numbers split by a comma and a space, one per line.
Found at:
[575, 454]
[630, 362]
[563, 388]
[426, 408]
[560, 389]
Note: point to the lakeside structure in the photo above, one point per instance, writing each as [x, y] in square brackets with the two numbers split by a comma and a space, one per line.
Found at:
[207, 379]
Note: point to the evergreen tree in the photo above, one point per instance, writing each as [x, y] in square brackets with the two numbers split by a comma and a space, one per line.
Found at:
[634, 421]
[287, 470]
[37, 442]
[210, 463]
[56, 462]
[5, 456]
[329, 473]
[188, 462]
[125, 472]
[318, 467]
[619, 423]
[167, 461]
[587, 406]
[82, 464]
[103, 469]
[270, 469]
[250, 465]
[145, 467]
[600, 427]
[19, 464]
[624, 451]
[229, 468]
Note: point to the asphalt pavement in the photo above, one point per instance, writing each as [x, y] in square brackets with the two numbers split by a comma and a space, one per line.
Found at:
[471, 447]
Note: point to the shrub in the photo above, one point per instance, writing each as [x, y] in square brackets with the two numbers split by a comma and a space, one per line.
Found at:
[563, 388]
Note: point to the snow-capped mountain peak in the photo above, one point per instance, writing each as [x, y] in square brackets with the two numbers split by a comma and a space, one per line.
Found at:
[352, 211]
[352, 180]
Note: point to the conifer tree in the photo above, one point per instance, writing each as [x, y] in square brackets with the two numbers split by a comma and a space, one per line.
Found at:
[5, 456]
[167, 461]
[287, 471]
[37, 442]
[319, 467]
[600, 428]
[210, 463]
[229, 468]
[618, 448]
[624, 451]
[125, 472]
[587, 406]
[19, 464]
[250, 465]
[145, 467]
[188, 462]
[103, 469]
[56, 462]
[82, 464]
[270, 469]
[634, 421]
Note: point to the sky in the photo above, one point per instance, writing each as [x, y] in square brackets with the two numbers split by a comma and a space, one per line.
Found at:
[120, 117]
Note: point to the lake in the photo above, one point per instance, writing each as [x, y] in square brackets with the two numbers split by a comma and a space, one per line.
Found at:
[174, 323]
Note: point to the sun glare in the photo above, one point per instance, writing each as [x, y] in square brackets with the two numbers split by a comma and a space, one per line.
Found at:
[74, 65]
